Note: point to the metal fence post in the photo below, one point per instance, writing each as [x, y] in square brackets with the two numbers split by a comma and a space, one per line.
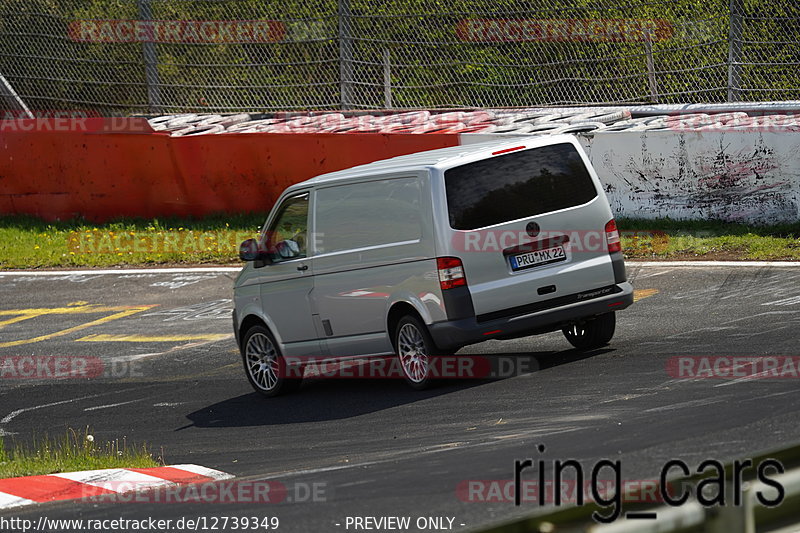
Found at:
[387, 78]
[345, 56]
[651, 68]
[734, 50]
[150, 61]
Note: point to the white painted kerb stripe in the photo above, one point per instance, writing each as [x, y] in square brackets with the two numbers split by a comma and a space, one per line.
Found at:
[116, 479]
[203, 471]
[121, 480]
[9, 500]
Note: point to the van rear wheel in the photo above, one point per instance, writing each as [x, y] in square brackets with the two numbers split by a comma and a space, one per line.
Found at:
[415, 350]
[593, 333]
[265, 366]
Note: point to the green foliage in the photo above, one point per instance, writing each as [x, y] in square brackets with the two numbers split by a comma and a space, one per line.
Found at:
[29, 242]
[430, 65]
[72, 452]
[708, 239]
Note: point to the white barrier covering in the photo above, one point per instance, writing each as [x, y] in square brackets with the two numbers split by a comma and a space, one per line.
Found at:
[743, 176]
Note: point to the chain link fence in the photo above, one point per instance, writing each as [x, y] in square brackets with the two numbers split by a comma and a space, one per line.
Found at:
[161, 56]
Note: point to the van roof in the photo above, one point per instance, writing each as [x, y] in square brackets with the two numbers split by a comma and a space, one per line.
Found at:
[435, 158]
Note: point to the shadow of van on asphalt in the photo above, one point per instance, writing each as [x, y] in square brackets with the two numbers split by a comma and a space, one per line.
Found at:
[322, 399]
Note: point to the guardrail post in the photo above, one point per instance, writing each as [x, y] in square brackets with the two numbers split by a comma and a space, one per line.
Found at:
[387, 79]
[651, 69]
[732, 518]
[734, 50]
[150, 61]
[345, 55]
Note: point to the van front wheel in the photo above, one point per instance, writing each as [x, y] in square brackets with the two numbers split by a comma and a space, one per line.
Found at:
[415, 351]
[593, 333]
[265, 366]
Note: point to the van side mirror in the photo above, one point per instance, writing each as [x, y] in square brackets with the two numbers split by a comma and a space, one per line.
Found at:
[249, 250]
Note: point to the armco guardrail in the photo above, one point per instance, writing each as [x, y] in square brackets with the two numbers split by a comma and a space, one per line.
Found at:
[748, 516]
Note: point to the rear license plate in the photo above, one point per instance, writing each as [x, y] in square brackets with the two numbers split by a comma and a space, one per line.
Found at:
[538, 258]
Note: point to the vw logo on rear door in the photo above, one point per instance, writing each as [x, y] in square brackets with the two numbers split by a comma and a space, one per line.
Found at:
[532, 229]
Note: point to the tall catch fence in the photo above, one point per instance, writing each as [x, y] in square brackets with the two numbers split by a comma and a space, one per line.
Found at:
[116, 57]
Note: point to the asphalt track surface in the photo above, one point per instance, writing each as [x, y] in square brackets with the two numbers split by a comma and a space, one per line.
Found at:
[172, 377]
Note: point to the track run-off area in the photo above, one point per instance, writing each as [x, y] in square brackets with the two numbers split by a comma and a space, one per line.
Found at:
[158, 364]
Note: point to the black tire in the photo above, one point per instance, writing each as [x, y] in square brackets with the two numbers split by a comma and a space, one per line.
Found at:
[592, 333]
[415, 351]
[265, 366]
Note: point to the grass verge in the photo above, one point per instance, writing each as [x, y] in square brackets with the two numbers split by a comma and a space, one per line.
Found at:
[29, 242]
[72, 452]
[709, 240]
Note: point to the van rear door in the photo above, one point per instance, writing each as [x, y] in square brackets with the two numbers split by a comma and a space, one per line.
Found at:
[528, 225]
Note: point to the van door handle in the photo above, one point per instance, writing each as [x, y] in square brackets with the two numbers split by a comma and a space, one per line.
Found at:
[302, 268]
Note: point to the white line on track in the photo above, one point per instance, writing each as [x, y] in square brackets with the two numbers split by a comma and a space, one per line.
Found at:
[112, 405]
[90, 272]
[13, 414]
[221, 270]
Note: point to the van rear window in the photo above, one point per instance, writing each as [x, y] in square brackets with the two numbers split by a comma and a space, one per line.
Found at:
[517, 185]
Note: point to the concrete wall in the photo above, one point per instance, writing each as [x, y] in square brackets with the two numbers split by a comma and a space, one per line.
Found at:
[742, 176]
[738, 176]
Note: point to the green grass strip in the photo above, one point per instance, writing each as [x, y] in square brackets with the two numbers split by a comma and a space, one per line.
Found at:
[29, 242]
[72, 452]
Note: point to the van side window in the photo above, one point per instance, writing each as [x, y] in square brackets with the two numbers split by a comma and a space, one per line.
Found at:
[517, 185]
[287, 237]
[366, 214]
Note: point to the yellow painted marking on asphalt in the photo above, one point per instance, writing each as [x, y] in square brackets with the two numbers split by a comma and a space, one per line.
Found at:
[122, 312]
[643, 293]
[74, 310]
[16, 319]
[154, 338]
[25, 314]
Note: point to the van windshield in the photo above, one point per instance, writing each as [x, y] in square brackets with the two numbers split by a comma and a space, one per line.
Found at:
[517, 185]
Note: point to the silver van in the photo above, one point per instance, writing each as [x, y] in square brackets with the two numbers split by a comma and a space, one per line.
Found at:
[420, 255]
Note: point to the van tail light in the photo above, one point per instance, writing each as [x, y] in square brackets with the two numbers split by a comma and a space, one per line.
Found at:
[451, 272]
[612, 237]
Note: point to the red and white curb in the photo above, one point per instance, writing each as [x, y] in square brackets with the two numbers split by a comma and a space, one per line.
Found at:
[18, 491]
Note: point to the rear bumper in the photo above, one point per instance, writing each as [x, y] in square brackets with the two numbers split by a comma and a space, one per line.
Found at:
[454, 334]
